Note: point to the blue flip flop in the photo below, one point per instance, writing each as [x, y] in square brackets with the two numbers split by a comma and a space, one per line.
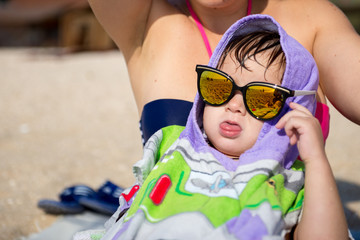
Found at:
[69, 200]
[105, 201]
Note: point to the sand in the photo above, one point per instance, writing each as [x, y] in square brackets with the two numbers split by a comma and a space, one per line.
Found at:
[71, 118]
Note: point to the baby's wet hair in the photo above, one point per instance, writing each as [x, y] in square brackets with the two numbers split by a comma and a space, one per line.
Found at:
[249, 46]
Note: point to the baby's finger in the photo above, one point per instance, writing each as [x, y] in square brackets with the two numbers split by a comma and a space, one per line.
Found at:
[294, 139]
[301, 108]
[291, 130]
[298, 111]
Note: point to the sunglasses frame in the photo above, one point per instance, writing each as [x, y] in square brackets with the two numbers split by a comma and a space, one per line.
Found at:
[286, 93]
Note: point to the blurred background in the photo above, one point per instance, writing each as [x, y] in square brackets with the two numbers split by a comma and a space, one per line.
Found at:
[68, 116]
[60, 23]
[71, 24]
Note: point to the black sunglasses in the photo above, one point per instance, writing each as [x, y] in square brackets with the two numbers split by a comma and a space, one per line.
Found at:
[264, 101]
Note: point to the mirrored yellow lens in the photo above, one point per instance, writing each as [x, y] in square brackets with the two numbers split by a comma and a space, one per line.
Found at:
[264, 102]
[214, 88]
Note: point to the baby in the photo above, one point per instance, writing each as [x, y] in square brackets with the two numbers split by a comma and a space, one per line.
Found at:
[233, 172]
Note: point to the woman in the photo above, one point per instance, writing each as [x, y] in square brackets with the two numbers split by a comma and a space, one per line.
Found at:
[162, 42]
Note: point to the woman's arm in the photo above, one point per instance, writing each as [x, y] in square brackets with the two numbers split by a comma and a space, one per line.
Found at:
[337, 53]
[323, 215]
[124, 20]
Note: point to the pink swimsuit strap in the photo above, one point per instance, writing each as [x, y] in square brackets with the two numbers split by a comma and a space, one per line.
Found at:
[201, 28]
[323, 115]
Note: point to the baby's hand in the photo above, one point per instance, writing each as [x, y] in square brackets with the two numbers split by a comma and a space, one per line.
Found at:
[305, 130]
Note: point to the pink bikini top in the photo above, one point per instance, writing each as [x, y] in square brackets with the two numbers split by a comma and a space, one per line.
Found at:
[322, 110]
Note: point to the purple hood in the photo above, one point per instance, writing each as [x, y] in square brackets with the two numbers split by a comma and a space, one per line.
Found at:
[301, 73]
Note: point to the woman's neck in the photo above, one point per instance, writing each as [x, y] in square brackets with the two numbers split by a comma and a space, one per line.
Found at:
[218, 17]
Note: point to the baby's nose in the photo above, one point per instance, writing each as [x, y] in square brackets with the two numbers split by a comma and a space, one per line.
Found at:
[236, 104]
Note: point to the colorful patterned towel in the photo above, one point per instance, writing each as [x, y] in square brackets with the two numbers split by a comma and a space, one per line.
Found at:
[190, 195]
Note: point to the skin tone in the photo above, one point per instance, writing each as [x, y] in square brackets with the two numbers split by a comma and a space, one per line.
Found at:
[159, 38]
[234, 133]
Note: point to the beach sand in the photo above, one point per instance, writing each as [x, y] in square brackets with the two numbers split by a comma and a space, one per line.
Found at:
[71, 118]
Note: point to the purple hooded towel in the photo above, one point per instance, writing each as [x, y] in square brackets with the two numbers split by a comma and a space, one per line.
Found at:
[301, 73]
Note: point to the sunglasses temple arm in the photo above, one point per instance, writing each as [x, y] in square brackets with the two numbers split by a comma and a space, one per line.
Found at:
[303, 93]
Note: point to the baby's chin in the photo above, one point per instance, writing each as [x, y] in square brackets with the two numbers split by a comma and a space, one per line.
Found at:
[228, 150]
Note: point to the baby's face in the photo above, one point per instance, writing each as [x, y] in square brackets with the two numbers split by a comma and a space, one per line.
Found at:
[229, 127]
